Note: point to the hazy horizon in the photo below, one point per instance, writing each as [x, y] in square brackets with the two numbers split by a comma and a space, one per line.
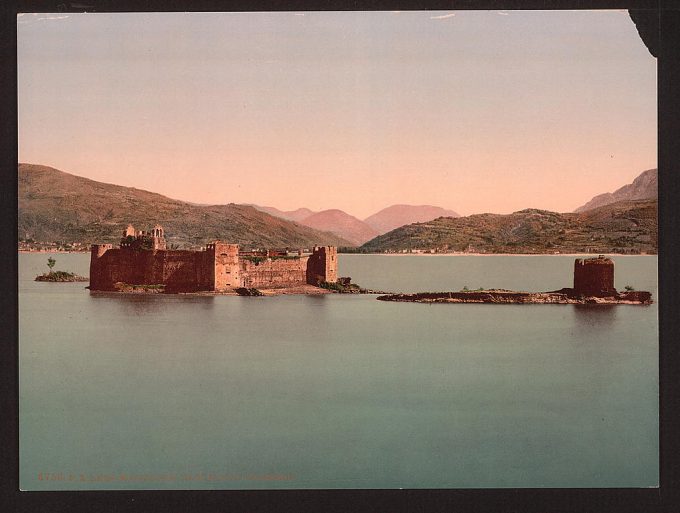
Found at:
[481, 111]
[303, 206]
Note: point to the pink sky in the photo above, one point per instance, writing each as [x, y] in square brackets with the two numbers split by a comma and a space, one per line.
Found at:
[477, 112]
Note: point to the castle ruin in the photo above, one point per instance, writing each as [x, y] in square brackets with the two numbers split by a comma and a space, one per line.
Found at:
[593, 284]
[143, 259]
[594, 277]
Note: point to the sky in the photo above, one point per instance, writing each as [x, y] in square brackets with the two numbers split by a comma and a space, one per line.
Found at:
[475, 111]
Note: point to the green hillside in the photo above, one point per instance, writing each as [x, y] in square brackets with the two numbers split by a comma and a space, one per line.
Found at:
[623, 227]
[59, 207]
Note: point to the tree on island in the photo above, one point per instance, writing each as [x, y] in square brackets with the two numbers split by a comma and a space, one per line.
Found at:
[58, 276]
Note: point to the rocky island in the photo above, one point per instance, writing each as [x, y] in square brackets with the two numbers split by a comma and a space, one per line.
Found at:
[593, 284]
[61, 277]
[143, 264]
[58, 276]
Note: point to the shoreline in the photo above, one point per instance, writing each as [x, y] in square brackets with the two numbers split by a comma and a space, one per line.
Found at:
[564, 296]
[417, 254]
[298, 290]
[62, 252]
[586, 255]
[302, 290]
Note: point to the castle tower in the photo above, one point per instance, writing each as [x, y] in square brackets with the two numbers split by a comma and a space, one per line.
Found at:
[594, 277]
[97, 268]
[158, 237]
[322, 265]
[129, 231]
[226, 262]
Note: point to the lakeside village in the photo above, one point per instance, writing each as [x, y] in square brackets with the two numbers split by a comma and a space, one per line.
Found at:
[471, 250]
[142, 263]
[29, 245]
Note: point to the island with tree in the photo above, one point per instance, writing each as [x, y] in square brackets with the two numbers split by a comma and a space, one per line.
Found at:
[58, 276]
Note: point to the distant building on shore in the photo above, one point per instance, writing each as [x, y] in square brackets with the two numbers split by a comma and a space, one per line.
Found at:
[142, 259]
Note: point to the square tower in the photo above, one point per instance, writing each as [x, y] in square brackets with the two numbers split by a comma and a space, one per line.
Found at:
[594, 277]
[322, 265]
[226, 262]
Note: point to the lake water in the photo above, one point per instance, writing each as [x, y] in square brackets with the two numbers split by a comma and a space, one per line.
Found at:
[339, 391]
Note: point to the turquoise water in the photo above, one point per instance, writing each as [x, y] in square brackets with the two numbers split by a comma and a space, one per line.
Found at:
[339, 391]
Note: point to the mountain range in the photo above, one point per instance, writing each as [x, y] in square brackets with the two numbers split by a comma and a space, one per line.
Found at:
[341, 223]
[359, 232]
[621, 227]
[355, 230]
[57, 206]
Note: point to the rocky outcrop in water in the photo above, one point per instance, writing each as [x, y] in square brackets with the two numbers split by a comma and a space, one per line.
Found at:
[60, 277]
[502, 296]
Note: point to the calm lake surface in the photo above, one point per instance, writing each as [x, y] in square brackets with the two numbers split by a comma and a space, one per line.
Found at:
[339, 391]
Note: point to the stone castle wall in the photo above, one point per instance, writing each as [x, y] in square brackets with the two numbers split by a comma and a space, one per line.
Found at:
[108, 266]
[274, 272]
[185, 271]
[218, 268]
[188, 271]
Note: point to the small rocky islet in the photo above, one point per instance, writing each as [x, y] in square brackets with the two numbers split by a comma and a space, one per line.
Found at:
[593, 284]
[61, 277]
[500, 296]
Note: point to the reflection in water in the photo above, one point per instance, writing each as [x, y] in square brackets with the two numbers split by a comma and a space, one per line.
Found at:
[144, 304]
[340, 390]
[597, 317]
[317, 299]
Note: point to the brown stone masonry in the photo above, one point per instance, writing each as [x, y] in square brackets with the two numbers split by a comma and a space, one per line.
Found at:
[593, 284]
[323, 265]
[594, 277]
[224, 262]
[143, 260]
[274, 272]
[179, 271]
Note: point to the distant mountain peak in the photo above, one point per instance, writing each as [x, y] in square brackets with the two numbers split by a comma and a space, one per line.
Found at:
[645, 186]
[296, 215]
[398, 215]
[342, 224]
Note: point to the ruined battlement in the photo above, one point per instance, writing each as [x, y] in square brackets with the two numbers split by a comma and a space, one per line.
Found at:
[142, 259]
[593, 284]
[138, 239]
[98, 250]
[323, 265]
[594, 277]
